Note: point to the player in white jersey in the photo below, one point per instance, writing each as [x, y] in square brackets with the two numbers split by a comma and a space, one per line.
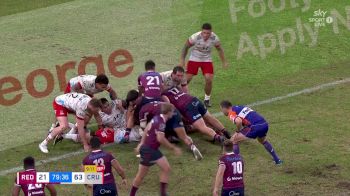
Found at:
[90, 85]
[200, 57]
[79, 104]
[176, 78]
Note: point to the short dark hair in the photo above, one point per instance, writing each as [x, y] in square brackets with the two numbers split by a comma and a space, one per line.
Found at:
[225, 104]
[178, 69]
[28, 162]
[95, 143]
[166, 108]
[206, 26]
[101, 79]
[131, 96]
[103, 101]
[95, 103]
[228, 145]
[149, 65]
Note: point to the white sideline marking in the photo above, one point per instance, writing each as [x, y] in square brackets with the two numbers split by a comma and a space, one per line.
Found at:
[267, 101]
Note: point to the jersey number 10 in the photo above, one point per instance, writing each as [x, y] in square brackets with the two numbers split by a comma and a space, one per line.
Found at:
[237, 167]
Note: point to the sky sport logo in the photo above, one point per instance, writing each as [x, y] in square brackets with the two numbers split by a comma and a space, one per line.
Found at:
[319, 18]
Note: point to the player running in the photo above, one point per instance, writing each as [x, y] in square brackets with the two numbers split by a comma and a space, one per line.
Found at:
[90, 85]
[230, 173]
[175, 77]
[250, 125]
[31, 189]
[174, 126]
[150, 83]
[79, 104]
[99, 157]
[196, 114]
[148, 148]
[200, 57]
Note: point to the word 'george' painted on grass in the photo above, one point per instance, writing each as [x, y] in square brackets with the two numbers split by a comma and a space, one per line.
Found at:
[11, 87]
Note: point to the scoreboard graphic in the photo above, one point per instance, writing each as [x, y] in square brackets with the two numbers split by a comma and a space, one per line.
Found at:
[92, 175]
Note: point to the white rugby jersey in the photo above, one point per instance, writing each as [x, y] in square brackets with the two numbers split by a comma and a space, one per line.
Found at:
[114, 120]
[201, 50]
[168, 81]
[75, 102]
[87, 83]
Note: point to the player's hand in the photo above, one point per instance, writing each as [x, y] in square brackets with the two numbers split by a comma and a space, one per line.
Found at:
[86, 147]
[137, 149]
[177, 151]
[215, 192]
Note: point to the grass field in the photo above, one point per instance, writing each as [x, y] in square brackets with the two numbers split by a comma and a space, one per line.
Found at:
[309, 132]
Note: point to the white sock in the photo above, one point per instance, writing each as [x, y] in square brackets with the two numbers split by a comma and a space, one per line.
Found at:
[72, 131]
[73, 137]
[206, 97]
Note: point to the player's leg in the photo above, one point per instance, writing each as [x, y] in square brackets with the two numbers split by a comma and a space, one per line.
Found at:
[141, 173]
[208, 72]
[236, 138]
[164, 174]
[200, 125]
[63, 125]
[191, 70]
[181, 133]
[262, 129]
[211, 120]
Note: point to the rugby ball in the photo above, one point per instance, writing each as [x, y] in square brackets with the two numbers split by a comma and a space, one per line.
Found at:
[119, 136]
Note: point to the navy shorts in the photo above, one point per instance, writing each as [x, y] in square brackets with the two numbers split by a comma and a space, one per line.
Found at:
[194, 111]
[173, 123]
[105, 189]
[233, 192]
[256, 130]
[145, 100]
[149, 156]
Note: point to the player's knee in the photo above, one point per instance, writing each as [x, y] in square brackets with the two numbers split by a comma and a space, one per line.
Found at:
[63, 126]
[167, 169]
[261, 140]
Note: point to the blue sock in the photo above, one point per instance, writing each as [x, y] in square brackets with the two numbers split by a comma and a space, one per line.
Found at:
[235, 148]
[270, 149]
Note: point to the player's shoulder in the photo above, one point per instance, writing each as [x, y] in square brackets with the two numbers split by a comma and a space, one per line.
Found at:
[196, 36]
[213, 36]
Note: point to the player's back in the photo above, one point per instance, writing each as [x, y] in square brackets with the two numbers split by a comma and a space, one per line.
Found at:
[178, 98]
[149, 110]
[31, 189]
[248, 114]
[151, 82]
[104, 159]
[233, 175]
[158, 124]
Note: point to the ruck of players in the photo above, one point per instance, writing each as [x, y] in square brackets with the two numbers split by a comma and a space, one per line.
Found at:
[159, 111]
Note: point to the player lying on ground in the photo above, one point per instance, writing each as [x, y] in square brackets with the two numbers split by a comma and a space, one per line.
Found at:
[31, 189]
[230, 173]
[193, 111]
[175, 77]
[250, 125]
[79, 104]
[174, 126]
[114, 126]
[99, 157]
[148, 148]
[200, 57]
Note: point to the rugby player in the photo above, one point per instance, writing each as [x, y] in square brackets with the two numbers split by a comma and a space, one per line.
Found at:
[200, 57]
[230, 173]
[99, 157]
[150, 83]
[175, 77]
[250, 125]
[148, 148]
[194, 112]
[79, 104]
[31, 189]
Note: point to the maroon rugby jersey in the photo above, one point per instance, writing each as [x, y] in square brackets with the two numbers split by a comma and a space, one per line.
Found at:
[233, 175]
[31, 189]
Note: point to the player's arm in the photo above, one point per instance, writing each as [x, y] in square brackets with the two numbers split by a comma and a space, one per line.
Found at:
[163, 141]
[143, 138]
[81, 131]
[112, 93]
[184, 53]
[77, 87]
[87, 186]
[221, 54]
[51, 189]
[15, 190]
[98, 120]
[218, 179]
[116, 165]
[239, 123]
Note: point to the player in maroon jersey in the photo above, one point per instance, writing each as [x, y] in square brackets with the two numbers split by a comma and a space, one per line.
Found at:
[101, 158]
[148, 148]
[230, 173]
[31, 189]
[195, 113]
